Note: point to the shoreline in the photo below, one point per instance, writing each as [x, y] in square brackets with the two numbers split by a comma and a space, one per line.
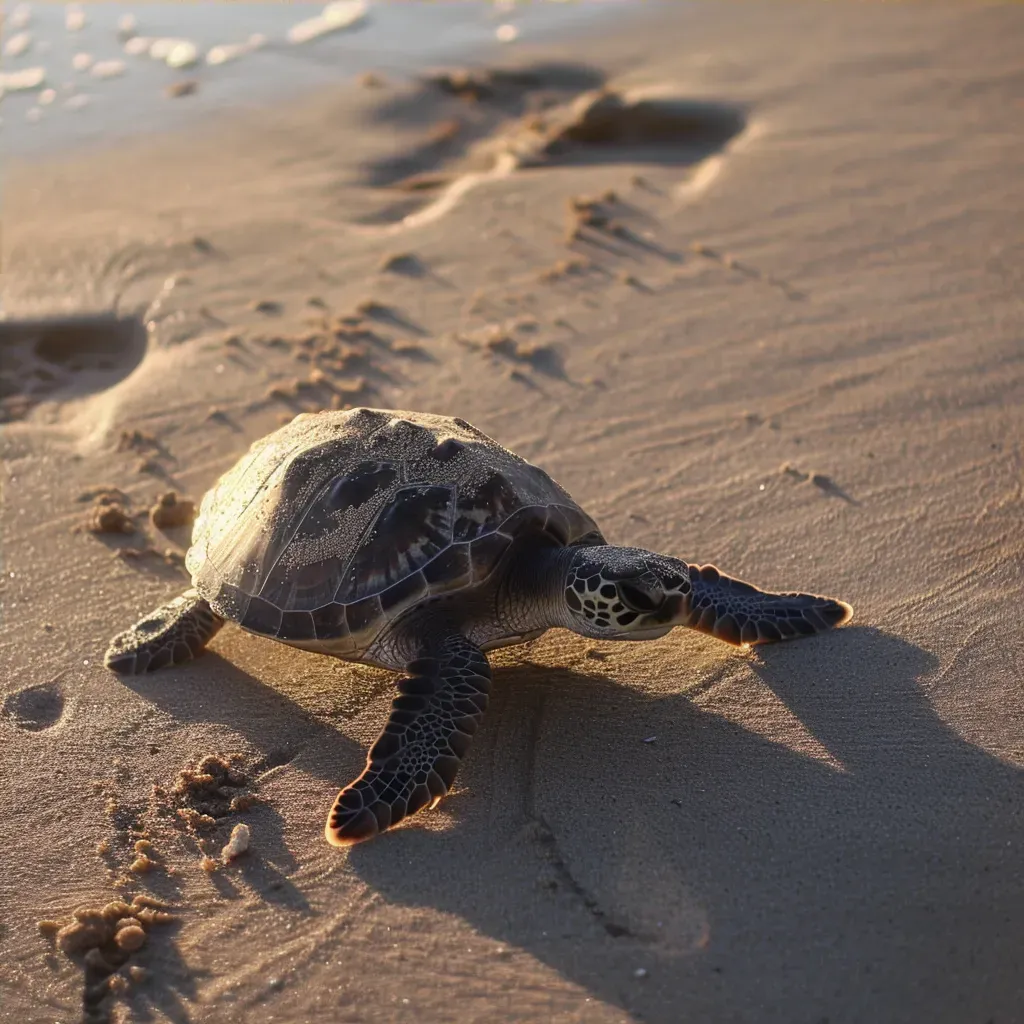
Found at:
[383, 43]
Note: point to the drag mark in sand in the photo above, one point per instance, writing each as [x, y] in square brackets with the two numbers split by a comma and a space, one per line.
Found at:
[541, 833]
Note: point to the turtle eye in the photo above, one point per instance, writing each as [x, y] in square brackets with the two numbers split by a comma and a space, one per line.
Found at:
[639, 597]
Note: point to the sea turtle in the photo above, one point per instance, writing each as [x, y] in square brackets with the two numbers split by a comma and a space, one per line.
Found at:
[417, 543]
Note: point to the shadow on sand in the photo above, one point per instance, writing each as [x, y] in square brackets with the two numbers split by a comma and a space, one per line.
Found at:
[749, 882]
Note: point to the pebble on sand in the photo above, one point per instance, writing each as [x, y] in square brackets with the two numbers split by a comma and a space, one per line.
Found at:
[175, 53]
[237, 844]
[225, 52]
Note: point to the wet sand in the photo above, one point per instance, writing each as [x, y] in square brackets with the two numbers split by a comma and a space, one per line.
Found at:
[761, 307]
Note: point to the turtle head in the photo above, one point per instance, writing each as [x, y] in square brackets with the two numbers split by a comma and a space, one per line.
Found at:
[616, 593]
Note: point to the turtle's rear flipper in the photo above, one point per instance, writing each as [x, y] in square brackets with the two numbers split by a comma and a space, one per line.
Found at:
[176, 632]
[740, 614]
[414, 760]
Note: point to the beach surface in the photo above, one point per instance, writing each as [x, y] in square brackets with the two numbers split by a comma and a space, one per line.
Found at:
[760, 306]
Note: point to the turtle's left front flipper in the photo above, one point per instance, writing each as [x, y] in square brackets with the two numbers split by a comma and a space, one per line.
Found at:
[175, 632]
[740, 614]
[414, 760]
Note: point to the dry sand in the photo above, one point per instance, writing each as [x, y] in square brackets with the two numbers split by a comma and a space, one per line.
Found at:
[795, 351]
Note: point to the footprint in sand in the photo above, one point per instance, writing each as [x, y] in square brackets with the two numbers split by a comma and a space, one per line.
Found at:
[551, 128]
[35, 708]
[71, 356]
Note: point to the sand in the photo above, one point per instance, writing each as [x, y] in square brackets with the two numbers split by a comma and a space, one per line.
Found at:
[798, 356]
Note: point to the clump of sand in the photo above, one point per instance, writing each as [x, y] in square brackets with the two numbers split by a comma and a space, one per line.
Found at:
[171, 511]
[211, 789]
[110, 513]
[105, 938]
[204, 795]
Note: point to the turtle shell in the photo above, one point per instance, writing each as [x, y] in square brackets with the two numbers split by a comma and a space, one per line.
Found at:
[337, 523]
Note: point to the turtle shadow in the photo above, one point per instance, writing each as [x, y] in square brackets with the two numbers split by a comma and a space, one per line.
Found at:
[213, 690]
[859, 877]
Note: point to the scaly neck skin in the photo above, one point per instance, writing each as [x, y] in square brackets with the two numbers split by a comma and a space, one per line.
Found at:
[531, 596]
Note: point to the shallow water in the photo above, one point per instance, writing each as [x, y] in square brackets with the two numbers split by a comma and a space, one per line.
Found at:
[73, 106]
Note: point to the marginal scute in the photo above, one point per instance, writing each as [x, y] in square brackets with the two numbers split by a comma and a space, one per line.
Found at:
[329, 622]
[361, 615]
[297, 626]
[261, 617]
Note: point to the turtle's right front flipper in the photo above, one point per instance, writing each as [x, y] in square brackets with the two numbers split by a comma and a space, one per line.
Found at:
[740, 614]
[414, 760]
[176, 632]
